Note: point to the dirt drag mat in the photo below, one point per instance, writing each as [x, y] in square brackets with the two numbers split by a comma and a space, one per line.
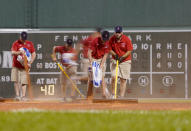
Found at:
[89, 105]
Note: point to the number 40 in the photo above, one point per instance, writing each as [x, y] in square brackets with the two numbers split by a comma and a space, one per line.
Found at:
[47, 89]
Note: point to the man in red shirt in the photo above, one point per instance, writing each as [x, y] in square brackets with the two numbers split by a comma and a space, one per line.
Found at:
[68, 60]
[98, 52]
[85, 46]
[121, 48]
[20, 48]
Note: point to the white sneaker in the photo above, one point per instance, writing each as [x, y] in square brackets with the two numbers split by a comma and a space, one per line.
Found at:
[24, 98]
[112, 96]
[68, 99]
[18, 98]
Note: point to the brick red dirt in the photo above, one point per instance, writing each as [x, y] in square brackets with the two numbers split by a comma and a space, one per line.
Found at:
[87, 105]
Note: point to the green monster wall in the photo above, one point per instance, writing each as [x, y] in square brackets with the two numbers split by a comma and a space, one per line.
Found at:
[91, 13]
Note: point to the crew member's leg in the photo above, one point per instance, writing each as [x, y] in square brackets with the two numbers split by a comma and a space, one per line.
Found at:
[85, 65]
[14, 78]
[106, 92]
[24, 83]
[90, 84]
[72, 74]
[63, 82]
[113, 85]
[123, 86]
[124, 74]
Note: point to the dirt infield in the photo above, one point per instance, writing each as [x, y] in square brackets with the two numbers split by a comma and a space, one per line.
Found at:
[90, 105]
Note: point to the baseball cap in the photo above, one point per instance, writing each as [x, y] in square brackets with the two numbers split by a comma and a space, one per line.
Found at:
[23, 35]
[118, 29]
[69, 42]
[105, 35]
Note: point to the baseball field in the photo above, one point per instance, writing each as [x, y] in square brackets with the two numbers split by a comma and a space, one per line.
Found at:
[146, 115]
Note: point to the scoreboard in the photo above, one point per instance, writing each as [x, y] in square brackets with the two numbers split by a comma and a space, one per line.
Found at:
[160, 63]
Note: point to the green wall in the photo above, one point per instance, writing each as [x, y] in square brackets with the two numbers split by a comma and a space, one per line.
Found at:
[91, 13]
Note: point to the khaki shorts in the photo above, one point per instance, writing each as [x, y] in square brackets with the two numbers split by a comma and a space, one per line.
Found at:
[70, 72]
[90, 69]
[19, 75]
[123, 69]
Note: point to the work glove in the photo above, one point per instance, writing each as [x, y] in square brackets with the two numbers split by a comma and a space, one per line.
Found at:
[121, 59]
[116, 57]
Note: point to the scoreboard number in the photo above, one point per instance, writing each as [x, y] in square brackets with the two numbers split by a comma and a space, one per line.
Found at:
[47, 89]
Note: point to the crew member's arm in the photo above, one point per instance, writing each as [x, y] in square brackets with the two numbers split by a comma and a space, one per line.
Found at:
[116, 57]
[33, 56]
[127, 54]
[112, 53]
[16, 52]
[78, 47]
[54, 53]
[90, 55]
[103, 60]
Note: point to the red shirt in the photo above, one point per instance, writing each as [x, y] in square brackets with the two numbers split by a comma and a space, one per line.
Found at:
[121, 47]
[64, 51]
[99, 49]
[86, 45]
[16, 46]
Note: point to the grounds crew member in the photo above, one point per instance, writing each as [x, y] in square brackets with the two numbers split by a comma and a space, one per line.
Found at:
[20, 48]
[68, 60]
[98, 52]
[85, 45]
[121, 48]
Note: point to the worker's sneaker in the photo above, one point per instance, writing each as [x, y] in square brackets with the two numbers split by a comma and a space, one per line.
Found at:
[24, 98]
[17, 98]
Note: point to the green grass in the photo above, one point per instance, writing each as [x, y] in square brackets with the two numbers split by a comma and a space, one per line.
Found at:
[96, 121]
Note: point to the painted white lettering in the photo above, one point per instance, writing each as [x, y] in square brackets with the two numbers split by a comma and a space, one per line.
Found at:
[134, 46]
[138, 37]
[179, 46]
[39, 46]
[135, 56]
[51, 65]
[75, 38]
[179, 64]
[84, 37]
[51, 80]
[169, 55]
[169, 46]
[148, 37]
[57, 37]
[158, 55]
[40, 81]
[65, 37]
[7, 59]
[158, 46]
[39, 56]
[179, 55]
[159, 65]
[169, 64]
[145, 46]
